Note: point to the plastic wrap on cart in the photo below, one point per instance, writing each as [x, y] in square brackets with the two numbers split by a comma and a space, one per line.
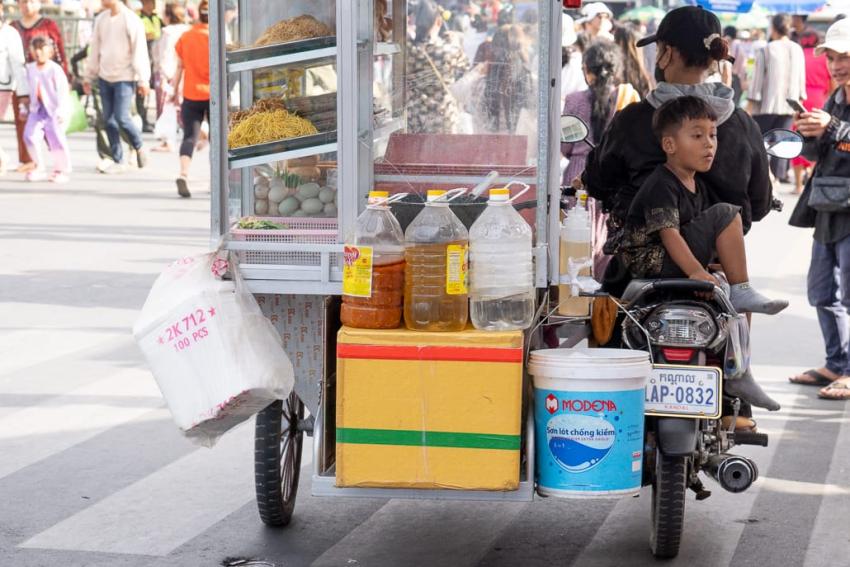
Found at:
[216, 358]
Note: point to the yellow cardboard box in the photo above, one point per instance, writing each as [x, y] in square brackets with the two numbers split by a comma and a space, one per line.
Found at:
[428, 410]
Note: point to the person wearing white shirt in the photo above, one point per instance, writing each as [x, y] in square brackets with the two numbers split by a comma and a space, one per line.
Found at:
[118, 59]
[13, 78]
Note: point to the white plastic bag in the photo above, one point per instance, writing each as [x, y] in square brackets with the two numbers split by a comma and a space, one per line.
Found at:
[165, 128]
[216, 358]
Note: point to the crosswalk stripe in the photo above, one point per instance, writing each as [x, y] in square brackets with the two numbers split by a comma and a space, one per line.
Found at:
[166, 509]
[424, 533]
[830, 540]
[34, 433]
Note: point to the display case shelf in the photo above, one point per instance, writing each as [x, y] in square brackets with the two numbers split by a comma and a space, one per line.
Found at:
[279, 150]
[252, 58]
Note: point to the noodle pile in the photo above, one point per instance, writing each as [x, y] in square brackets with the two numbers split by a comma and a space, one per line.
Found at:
[302, 27]
[268, 126]
[262, 105]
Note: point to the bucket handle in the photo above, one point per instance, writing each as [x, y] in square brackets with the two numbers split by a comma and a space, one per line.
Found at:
[390, 200]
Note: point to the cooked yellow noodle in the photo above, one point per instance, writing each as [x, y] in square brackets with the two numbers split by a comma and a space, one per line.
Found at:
[268, 126]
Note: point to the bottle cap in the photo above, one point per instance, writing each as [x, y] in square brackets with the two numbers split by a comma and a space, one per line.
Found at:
[376, 197]
[500, 195]
[434, 194]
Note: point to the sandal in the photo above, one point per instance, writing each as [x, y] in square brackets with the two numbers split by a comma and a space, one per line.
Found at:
[812, 378]
[742, 425]
[838, 390]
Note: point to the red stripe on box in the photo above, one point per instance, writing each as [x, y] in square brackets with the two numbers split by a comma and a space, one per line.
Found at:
[445, 353]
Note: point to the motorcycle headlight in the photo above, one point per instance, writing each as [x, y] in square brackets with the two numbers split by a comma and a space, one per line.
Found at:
[681, 326]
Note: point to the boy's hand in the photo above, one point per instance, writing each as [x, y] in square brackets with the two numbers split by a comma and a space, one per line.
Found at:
[813, 124]
[704, 276]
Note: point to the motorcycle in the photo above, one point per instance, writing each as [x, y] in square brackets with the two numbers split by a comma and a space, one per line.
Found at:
[697, 343]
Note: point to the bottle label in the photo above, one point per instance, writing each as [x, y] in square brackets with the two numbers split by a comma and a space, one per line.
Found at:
[457, 269]
[357, 271]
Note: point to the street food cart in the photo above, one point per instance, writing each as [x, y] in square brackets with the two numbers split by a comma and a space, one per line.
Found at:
[285, 204]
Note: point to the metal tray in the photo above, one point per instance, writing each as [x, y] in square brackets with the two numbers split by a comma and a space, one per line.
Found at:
[280, 146]
[263, 52]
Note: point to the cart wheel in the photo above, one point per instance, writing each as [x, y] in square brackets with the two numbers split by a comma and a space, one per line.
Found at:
[277, 459]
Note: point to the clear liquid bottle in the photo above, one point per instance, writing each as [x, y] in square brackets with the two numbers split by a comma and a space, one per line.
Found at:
[501, 268]
[436, 246]
[373, 278]
[576, 245]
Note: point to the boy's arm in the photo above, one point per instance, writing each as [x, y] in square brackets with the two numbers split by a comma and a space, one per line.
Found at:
[681, 254]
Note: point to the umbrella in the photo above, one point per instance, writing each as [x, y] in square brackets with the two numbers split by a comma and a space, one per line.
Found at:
[643, 14]
[756, 18]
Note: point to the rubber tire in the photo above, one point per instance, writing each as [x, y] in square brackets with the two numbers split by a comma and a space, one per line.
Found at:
[277, 459]
[668, 505]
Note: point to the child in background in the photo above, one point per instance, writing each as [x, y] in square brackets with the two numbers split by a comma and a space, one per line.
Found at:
[49, 91]
[672, 229]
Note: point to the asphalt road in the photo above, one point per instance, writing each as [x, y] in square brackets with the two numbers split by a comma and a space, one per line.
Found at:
[94, 473]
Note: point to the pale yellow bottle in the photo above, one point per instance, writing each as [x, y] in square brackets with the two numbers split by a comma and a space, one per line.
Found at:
[575, 244]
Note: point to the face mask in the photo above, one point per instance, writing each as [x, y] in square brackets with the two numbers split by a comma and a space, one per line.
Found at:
[605, 26]
[659, 72]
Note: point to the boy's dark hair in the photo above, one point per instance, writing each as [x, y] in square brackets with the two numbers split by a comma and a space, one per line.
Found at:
[673, 113]
[40, 41]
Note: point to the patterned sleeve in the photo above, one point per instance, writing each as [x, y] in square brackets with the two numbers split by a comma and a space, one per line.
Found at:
[661, 218]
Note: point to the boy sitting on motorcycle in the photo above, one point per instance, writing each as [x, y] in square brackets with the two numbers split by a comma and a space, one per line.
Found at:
[671, 229]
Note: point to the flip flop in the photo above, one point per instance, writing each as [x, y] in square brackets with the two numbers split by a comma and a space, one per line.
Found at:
[817, 379]
[838, 390]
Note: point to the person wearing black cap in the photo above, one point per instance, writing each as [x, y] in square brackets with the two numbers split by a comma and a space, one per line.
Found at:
[689, 46]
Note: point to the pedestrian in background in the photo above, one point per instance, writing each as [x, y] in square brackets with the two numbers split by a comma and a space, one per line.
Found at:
[779, 75]
[153, 32]
[48, 112]
[572, 76]
[13, 78]
[597, 21]
[165, 66]
[634, 72]
[29, 26]
[827, 134]
[818, 87]
[118, 57]
[193, 66]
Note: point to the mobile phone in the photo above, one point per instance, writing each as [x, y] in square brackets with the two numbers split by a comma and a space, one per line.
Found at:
[795, 104]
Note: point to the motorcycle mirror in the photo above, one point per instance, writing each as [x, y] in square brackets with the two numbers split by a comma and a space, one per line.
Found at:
[783, 144]
[573, 129]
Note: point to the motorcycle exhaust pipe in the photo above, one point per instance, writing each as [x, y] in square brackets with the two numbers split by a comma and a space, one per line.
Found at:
[733, 473]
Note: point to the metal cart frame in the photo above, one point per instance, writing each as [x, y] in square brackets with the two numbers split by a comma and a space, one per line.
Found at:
[281, 426]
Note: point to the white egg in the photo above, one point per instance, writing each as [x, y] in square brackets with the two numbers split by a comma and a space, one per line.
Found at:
[277, 194]
[261, 207]
[289, 206]
[261, 180]
[312, 206]
[299, 214]
[326, 195]
[261, 191]
[309, 190]
[330, 210]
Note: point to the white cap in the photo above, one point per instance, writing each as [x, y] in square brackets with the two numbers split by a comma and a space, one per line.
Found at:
[837, 38]
[590, 11]
[568, 31]
[500, 195]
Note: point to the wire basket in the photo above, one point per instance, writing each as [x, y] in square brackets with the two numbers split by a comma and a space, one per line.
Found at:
[299, 230]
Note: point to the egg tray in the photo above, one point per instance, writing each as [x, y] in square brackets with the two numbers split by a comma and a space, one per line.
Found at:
[299, 230]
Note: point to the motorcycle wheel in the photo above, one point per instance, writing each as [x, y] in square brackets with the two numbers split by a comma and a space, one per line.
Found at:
[668, 504]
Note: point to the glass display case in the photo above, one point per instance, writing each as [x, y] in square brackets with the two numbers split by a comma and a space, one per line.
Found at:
[315, 103]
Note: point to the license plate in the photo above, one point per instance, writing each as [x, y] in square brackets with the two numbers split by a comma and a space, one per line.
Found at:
[684, 391]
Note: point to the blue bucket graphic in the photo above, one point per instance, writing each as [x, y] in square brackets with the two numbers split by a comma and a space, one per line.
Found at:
[589, 441]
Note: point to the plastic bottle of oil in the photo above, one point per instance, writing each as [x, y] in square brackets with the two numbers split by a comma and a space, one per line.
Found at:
[373, 277]
[575, 245]
[436, 248]
[501, 289]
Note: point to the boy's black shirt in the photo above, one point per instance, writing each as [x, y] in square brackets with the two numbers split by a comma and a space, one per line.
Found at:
[662, 202]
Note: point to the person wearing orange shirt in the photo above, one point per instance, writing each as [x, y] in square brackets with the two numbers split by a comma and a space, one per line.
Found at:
[193, 67]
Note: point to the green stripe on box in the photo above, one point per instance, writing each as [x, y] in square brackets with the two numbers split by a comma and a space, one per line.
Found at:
[427, 439]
